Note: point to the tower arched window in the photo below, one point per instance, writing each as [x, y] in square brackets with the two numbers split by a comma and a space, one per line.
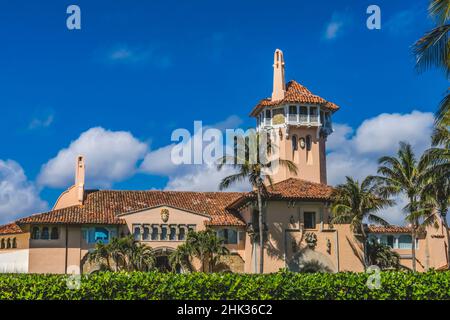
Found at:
[14, 243]
[3, 246]
[308, 142]
[8, 244]
[294, 143]
[35, 234]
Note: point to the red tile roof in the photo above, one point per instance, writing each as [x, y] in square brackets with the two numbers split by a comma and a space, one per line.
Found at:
[388, 229]
[295, 93]
[105, 207]
[11, 228]
[291, 189]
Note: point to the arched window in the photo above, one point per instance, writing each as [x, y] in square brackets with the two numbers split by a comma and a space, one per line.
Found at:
[294, 143]
[54, 235]
[35, 234]
[14, 243]
[163, 235]
[155, 233]
[173, 233]
[182, 234]
[8, 244]
[146, 235]
[137, 233]
[3, 244]
[308, 143]
[405, 241]
[45, 233]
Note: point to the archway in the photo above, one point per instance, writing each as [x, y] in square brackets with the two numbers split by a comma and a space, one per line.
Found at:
[162, 260]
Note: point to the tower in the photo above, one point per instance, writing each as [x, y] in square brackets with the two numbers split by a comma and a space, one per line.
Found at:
[299, 122]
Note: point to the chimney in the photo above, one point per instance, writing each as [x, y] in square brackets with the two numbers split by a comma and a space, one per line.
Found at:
[79, 178]
[279, 83]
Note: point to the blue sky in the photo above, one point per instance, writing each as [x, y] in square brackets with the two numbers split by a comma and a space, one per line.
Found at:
[148, 67]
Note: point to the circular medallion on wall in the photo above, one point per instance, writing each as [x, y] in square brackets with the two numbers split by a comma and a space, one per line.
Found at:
[165, 215]
[302, 143]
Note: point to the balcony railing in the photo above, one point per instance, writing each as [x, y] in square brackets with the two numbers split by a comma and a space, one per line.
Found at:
[292, 118]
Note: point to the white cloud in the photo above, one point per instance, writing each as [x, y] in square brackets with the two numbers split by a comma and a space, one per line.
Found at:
[355, 153]
[111, 156]
[44, 122]
[125, 54]
[204, 177]
[383, 133]
[159, 162]
[18, 196]
[334, 28]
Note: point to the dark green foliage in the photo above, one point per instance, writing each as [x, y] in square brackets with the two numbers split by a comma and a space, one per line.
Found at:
[282, 286]
[382, 256]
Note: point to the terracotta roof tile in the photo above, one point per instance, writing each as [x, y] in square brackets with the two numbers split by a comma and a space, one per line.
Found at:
[292, 189]
[388, 229]
[105, 207]
[11, 228]
[295, 93]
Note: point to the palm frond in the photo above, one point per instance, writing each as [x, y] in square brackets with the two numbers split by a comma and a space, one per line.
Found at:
[439, 10]
[432, 50]
[442, 116]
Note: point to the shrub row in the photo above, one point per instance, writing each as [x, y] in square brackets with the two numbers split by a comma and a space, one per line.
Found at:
[199, 286]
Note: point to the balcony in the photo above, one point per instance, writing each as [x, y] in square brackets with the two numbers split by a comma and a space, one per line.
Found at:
[297, 116]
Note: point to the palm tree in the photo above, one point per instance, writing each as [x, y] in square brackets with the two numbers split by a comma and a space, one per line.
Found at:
[252, 168]
[404, 174]
[125, 253]
[100, 256]
[432, 50]
[203, 245]
[180, 257]
[354, 202]
[141, 257]
[382, 256]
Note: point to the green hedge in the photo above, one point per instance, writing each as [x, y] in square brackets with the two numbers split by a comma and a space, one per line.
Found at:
[283, 285]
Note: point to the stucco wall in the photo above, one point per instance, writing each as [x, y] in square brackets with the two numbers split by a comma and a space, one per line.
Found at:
[311, 164]
[336, 248]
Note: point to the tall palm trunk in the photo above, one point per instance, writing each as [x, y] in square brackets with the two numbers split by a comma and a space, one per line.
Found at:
[413, 247]
[443, 215]
[261, 233]
[364, 243]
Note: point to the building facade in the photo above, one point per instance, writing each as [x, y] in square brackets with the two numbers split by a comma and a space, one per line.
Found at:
[296, 210]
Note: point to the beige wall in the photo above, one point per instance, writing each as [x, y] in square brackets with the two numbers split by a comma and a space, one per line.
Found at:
[336, 246]
[311, 164]
[286, 227]
[176, 216]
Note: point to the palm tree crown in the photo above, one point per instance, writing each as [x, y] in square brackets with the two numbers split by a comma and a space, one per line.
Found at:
[355, 202]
